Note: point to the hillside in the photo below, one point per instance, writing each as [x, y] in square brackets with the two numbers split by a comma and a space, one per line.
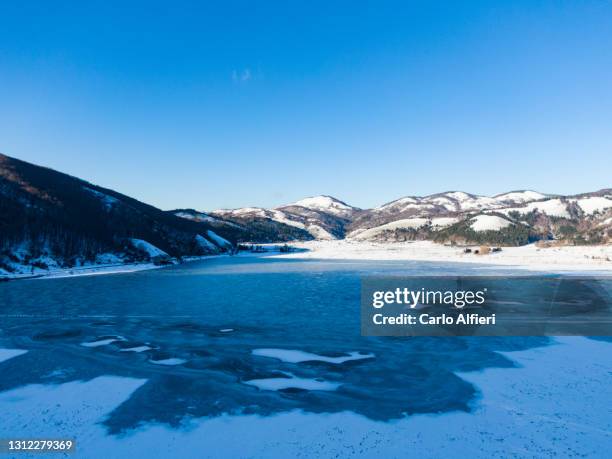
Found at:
[50, 219]
[514, 218]
[456, 217]
[318, 217]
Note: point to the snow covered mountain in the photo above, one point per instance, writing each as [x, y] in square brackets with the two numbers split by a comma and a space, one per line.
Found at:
[513, 218]
[516, 217]
[318, 217]
[325, 204]
[457, 201]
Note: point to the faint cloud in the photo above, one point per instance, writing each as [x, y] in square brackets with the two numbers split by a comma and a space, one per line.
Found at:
[242, 76]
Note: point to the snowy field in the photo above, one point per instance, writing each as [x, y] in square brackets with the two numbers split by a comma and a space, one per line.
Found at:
[556, 403]
[575, 258]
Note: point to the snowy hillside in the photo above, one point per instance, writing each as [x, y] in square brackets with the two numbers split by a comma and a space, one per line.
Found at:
[50, 220]
[326, 204]
[318, 217]
[454, 215]
[580, 218]
[489, 223]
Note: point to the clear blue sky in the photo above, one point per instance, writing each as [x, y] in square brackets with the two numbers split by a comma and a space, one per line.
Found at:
[260, 103]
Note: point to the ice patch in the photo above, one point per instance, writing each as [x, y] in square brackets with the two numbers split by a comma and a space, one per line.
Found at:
[137, 349]
[537, 406]
[170, 361]
[6, 354]
[292, 382]
[297, 356]
[103, 342]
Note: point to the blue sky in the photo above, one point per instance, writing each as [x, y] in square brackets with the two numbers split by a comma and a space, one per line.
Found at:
[261, 103]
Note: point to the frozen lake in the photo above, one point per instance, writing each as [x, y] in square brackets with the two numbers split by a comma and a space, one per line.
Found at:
[249, 340]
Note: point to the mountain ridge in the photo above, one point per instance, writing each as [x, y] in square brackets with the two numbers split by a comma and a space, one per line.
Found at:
[48, 218]
[447, 217]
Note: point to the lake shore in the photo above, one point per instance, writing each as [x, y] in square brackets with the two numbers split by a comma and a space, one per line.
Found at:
[530, 257]
[592, 259]
[91, 270]
[94, 269]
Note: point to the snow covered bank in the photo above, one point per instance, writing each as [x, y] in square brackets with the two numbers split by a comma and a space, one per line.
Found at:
[574, 258]
[554, 404]
[87, 270]
[96, 269]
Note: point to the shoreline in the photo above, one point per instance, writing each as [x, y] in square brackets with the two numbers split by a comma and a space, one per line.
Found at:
[92, 270]
[103, 269]
[590, 259]
[529, 257]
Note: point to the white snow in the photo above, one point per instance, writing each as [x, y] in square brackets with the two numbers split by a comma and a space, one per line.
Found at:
[403, 204]
[451, 201]
[607, 221]
[281, 217]
[218, 239]
[6, 354]
[442, 201]
[297, 356]
[489, 223]
[466, 201]
[243, 211]
[288, 218]
[408, 223]
[320, 233]
[520, 196]
[148, 248]
[205, 243]
[196, 216]
[460, 196]
[551, 259]
[442, 222]
[551, 207]
[324, 204]
[292, 382]
[594, 204]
